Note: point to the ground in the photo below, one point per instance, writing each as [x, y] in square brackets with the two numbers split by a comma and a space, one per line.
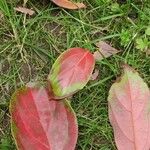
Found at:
[29, 45]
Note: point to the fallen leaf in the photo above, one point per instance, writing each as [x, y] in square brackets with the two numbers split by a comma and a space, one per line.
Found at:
[25, 10]
[95, 74]
[71, 72]
[40, 123]
[129, 111]
[105, 50]
[69, 4]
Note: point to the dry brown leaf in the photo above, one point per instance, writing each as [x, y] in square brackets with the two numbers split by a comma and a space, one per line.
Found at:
[105, 50]
[95, 74]
[25, 10]
[69, 4]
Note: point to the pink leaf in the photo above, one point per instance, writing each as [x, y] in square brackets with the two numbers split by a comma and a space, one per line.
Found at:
[71, 72]
[69, 4]
[129, 111]
[105, 50]
[40, 123]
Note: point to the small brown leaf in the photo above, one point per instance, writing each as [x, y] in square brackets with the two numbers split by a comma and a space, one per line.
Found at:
[69, 4]
[95, 74]
[25, 10]
[105, 50]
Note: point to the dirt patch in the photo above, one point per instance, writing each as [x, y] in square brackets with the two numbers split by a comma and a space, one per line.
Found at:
[27, 72]
[4, 67]
[4, 122]
[122, 1]
[53, 28]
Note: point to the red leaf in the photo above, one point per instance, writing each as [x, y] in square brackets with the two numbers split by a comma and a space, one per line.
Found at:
[69, 4]
[105, 50]
[40, 123]
[71, 72]
[129, 111]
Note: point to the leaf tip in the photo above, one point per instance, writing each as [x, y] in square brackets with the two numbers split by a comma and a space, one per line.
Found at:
[128, 69]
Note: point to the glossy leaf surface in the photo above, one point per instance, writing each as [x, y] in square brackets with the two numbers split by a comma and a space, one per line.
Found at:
[129, 111]
[69, 4]
[71, 71]
[40, 123]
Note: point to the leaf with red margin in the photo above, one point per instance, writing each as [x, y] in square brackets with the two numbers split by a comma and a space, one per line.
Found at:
[69, 4]
[40, 123]
[129, 111]
[71, 72]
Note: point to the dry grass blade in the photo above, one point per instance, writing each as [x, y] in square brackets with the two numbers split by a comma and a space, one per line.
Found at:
[1, 15]
[148, 52]
[24, 2]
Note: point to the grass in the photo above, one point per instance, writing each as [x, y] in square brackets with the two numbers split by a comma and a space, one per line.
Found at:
[30, 45]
